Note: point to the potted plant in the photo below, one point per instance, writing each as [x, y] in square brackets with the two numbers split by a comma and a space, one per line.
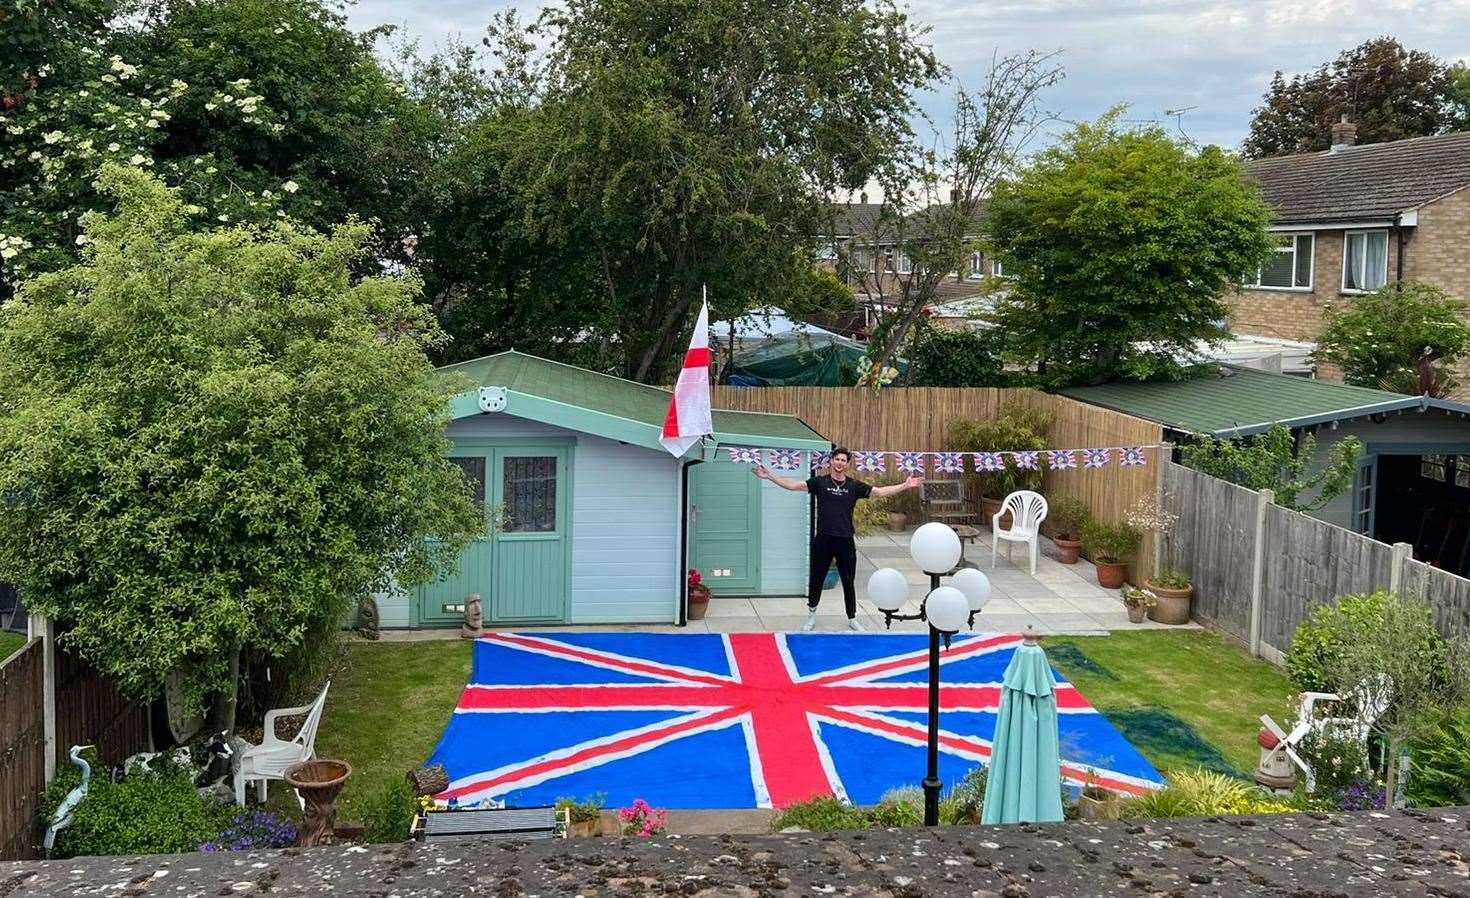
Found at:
[1017, 428]
[1109, 545]
[584, 818]
[642, 819]
[699, 595]
[1174, 592]
[1067, 515]
[1138, 602]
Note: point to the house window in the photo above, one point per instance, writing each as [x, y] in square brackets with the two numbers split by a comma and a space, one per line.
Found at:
[905, 264]
[862, 258]
[826, 251]
[977, 266]
[998, 269]
[1433, 467]
[1364, 261]
[1291, 268]
[888, 258]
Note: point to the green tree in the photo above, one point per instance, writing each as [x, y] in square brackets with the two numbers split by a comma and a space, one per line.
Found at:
[1120, 245]
[1388, 91]
[1459, 98]
[1275, 461]
[956, 358]
[216, 441]
[1396, 336]
[695, 142]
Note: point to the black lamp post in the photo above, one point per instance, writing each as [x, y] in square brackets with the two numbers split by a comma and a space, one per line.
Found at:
[934, 546]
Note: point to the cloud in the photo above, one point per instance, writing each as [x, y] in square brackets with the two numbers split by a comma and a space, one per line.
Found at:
[1154, 55]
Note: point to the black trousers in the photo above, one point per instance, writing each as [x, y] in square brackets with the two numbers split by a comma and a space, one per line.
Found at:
[825, 550]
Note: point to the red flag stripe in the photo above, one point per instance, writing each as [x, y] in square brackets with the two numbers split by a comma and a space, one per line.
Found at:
[697, 357]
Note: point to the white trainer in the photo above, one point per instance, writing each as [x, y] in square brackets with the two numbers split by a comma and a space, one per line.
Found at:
[811, 622]
[855, 625]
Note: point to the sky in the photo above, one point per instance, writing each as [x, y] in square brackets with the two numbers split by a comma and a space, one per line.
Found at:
[1153, 55]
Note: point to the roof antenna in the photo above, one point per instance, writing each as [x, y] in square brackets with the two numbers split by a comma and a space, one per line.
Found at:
[1179, 118]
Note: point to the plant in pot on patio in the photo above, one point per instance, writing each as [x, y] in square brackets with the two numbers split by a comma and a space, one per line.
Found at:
[698, 595]
[1109, 545]
[1016, 429]
[1067, 517]
[1137, 601]
[584, 818]
[1172, 587]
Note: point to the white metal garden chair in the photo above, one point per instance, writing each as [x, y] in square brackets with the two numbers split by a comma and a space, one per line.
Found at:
[1371, 697]
[1027, 509]
[273, 756]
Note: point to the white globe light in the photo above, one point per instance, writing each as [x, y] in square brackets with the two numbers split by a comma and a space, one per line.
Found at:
[935, 547]
[947, 609]
[888, 589]
[975, 586]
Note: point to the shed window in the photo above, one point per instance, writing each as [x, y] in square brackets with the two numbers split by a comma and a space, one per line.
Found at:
[1433, 467]
[1291, 268]
[1364, 261]
[473, 470]
[530, 493]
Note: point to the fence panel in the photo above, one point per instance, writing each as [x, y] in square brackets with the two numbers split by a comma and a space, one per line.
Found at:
[919, 418]
[22, 750]
[91, 711]
[1446, 593]
[1214, 542]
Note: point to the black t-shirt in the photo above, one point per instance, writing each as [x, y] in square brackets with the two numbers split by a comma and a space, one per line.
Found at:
[835, 502]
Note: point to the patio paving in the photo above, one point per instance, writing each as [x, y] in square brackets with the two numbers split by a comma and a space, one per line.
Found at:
[1062, 599]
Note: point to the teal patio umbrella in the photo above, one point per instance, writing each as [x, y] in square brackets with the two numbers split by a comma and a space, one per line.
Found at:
[1025, 781]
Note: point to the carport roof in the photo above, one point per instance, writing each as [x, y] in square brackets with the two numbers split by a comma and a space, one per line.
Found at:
[1242, 401]
[576, 398]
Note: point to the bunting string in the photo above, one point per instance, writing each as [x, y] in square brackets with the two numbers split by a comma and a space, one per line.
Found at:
[872, 461]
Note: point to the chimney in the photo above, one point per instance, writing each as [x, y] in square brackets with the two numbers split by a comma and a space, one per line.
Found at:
[1344, 134]
[863, 198]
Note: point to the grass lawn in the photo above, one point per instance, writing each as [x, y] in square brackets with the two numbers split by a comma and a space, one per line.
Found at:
[1182, 697]
[9, 642]
[388, 706]
[1203, 680]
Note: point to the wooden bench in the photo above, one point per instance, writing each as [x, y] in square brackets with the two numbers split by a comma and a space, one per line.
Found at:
[493, 824]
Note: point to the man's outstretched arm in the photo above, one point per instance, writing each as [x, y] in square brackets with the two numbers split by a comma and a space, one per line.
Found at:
[893, 489]
[785, 483]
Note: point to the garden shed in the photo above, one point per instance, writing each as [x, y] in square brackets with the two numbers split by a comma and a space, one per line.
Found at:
[600, 521]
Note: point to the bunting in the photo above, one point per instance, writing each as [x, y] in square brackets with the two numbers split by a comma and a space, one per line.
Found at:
[785, 459]
[911, 462]
[869, 462]
[1133, 457]
[949, 462]
[873, 461]
[744, 455]
[989, 461]
[1097, 458]
[821, 458]
[1028, 460]
[1061, 459]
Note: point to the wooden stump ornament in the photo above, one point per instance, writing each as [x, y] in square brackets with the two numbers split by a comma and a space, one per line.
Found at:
[367, 617]
[473, 621]
[429, 780]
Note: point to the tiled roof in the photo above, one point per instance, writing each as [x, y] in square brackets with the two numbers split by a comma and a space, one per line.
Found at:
[1363, 183]
[859, 219]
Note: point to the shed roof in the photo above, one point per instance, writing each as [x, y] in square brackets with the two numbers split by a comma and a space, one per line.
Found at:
[573, 397]
[1372, 182]
[1241, 401]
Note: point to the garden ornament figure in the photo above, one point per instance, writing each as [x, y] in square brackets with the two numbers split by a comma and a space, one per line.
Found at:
[61, 819]
[473, 621]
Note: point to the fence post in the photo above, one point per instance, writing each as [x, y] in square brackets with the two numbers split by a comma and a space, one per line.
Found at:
[43, 627]
[1165, 454]
[1258, 568]
[1402, 553]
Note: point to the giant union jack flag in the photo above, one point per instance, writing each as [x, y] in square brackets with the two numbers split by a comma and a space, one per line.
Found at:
[739, 720]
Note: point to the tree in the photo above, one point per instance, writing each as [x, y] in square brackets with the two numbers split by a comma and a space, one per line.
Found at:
[691, 143]
[1400, 337]
[1459, 97]
[215, 441]
[1274, 461]
[1119, 247]
[1385, 663]
[956, 358]
[992, 127]
[1387, 91]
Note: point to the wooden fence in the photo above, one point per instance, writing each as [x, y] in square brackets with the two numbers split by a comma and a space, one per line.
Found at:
[89, 711]
[1259, 569]
[22, 750]
[919, 418]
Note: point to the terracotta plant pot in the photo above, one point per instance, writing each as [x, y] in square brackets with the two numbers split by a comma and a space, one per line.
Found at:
[585, 828]
[1068, 550]
[988, 508]
[1111, 574]
[698, 602]
[1173, 604]
[897, 520]
[1136, 614]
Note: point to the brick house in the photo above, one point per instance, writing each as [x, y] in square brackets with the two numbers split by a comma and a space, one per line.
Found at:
[1352, 219]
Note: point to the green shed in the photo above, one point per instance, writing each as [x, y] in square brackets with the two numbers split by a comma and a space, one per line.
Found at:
[602, 521]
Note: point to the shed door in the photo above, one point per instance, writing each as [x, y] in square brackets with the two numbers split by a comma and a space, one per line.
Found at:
[441, 601]
[532, 557]
[724, 527]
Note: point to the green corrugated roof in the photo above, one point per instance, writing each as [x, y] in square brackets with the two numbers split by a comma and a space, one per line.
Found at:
[1241, 401]
[605, 394]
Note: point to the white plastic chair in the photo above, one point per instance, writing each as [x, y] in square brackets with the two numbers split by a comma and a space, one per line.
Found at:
[273, 756]
[1028, 509]
[1371, 697]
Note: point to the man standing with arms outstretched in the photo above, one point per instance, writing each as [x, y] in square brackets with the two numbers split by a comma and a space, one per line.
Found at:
[837, 495]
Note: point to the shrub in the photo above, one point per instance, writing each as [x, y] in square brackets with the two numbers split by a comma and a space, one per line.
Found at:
[588, 810]
[251, 830]
[965, 804]
[1320, 641]
[1440, 776]
[642, 819]
[1067, 515]
[897, 807]
[952, 358]
[390, 812]
[1338, 761]
[1204, 793]
[146, 812]
[1109, 542]
[1169, 578]
[1017, 428]
[825, 813]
